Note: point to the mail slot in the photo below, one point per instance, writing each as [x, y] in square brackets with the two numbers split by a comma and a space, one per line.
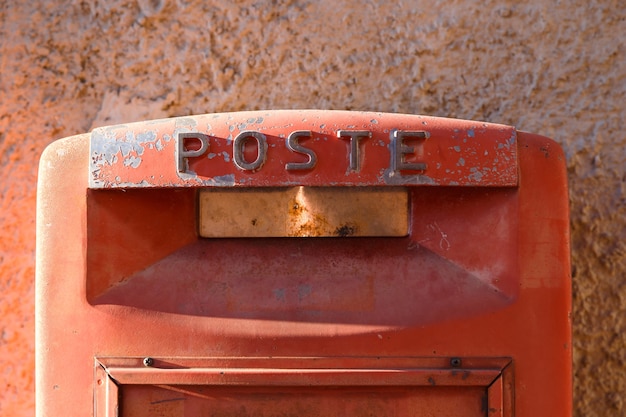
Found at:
[310, 263]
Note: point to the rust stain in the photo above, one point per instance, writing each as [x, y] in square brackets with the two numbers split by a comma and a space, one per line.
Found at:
[303, 223]
[346, 230]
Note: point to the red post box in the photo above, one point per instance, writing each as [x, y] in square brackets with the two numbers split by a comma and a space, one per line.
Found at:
[310, 263]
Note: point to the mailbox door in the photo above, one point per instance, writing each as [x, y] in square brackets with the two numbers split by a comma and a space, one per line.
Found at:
[303, 262]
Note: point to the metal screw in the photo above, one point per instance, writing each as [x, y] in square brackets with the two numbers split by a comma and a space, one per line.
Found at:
[455, 362]
[148, 361]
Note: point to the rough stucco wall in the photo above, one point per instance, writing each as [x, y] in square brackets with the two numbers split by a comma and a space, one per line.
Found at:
[558, 69]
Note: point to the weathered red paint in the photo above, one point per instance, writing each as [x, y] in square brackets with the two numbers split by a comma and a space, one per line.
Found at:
[468, 312]
[352, 148]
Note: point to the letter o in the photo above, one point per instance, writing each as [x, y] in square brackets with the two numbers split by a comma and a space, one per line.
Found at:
[240, 142]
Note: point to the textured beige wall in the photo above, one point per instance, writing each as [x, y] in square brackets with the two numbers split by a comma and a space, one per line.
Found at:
[555, 68]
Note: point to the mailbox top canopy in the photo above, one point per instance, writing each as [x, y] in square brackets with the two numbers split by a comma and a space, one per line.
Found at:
[303, 147]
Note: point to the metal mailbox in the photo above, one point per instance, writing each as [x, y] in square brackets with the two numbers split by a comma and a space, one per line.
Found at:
[310, 263]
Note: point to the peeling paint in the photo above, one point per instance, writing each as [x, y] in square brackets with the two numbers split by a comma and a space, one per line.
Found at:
[476, 175]
[149, 136]
[224, 181]
[391, 177]
[188, 122]
[132, 161]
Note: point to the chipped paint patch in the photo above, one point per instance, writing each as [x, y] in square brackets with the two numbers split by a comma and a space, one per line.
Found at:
[132, 161]
[476, 175]
[222, 181]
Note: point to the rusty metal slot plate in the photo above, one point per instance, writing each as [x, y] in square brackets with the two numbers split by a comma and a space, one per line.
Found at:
[304, 212]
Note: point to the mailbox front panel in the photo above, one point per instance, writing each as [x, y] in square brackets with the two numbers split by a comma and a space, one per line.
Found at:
[303, 262]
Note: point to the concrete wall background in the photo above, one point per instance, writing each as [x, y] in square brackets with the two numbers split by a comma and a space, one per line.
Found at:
[554, 68]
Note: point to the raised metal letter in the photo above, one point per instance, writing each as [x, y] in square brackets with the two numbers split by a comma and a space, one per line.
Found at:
[182, 152]
[399, 149]
[293, 145]
[238, 145]
[354, 136]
